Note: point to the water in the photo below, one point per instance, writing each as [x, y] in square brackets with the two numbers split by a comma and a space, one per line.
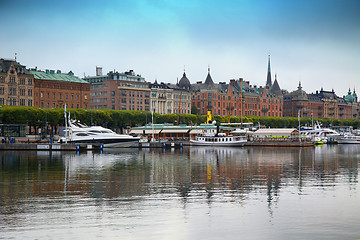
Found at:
[194, 193]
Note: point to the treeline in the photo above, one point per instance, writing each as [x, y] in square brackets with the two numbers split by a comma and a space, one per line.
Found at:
[118, 119]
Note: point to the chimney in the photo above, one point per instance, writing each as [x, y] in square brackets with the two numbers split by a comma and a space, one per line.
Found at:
[198, 82]
[98, 71]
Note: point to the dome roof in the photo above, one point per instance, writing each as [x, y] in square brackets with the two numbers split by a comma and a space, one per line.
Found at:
[300, 94]
[184, 82]
[349, 98]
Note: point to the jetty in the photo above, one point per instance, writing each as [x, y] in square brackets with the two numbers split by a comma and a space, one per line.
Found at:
[49, 147]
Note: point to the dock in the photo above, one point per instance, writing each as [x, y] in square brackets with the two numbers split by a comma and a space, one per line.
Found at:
[49, 147]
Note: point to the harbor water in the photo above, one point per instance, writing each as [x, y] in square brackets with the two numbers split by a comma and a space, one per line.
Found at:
[189, 193]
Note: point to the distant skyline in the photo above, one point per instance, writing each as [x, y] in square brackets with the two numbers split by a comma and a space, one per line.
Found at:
[315, 42]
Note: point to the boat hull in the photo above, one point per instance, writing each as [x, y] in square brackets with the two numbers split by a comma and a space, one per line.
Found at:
[349, 140]
[108, 143]
[203, 142]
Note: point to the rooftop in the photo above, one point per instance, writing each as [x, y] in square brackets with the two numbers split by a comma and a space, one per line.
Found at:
[56, 76]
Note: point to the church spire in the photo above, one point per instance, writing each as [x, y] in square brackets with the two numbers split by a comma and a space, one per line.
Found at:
[268, 80]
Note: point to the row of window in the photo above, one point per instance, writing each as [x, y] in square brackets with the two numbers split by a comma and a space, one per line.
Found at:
[12, 79]
[14, 102]
[209, 96]
[132, 107]
[60, 95]
[62, 87]
[60, 105]
[13, 91]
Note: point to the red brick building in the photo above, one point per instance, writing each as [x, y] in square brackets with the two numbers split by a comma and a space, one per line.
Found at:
[224, 99]
[322, 104]
[119, 91]
[55, 89]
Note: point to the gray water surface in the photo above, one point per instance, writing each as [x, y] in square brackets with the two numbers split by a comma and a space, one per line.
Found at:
[193, 193]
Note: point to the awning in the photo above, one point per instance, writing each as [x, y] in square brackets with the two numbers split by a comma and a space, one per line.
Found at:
[276, 132]
[196, 131]
[174, 130]
[147, 131]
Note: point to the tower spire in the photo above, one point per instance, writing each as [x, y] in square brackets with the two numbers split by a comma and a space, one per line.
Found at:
[268, 80]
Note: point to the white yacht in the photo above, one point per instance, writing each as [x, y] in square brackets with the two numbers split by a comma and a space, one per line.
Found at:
[78, 132]
[320, 135]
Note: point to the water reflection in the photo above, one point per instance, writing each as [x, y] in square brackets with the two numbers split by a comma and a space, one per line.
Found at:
[194, 172]
[32, 183]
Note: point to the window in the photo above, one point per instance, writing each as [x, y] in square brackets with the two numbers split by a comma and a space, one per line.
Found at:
[2, 89]
[41, 94]
[29, 81]
[22, 93]
[2, 101]
[123, 107]
[123, 100]
[22, 82]
[30, 103]
[12, 79]
[60, 97]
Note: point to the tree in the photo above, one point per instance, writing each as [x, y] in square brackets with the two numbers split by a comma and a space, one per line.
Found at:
[195, 110]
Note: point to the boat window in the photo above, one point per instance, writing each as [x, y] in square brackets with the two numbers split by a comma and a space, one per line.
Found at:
[105, 131]
[81, 134]
[94, 131]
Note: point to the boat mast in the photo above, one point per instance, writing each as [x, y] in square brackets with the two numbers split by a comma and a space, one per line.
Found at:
[241, 102]
[66, 126]
[230, 102]
[152, 125]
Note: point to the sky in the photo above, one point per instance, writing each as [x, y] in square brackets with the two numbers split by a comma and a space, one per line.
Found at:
[316, 42]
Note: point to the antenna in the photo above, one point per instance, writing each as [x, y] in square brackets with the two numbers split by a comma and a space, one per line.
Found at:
[15, 56]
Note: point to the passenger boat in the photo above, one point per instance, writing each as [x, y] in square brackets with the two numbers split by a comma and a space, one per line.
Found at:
[212, 137]
[78, 132]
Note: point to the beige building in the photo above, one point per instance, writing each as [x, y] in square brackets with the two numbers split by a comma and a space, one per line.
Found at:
[169, 99]
[16, 84]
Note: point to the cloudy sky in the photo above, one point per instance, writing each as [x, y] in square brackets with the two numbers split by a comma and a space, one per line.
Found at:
[316, 42]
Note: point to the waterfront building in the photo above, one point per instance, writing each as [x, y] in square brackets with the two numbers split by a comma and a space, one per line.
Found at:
[238, 98]
[55, 89]
[119, 91]
[170, 98]
[16, 84]
[322, 104]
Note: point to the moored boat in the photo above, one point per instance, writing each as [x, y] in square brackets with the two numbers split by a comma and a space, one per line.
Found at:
[349, 139]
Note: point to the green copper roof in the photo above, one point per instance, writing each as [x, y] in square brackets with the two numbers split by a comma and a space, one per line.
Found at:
[57, 77]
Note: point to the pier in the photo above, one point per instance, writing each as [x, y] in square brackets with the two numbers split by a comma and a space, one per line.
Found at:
[49, 147]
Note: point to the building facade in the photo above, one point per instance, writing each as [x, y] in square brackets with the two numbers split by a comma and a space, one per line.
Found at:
[238, 98]
[55, 89]
[16, 84]
[322, 104]
[119, 91]
[170, 99]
